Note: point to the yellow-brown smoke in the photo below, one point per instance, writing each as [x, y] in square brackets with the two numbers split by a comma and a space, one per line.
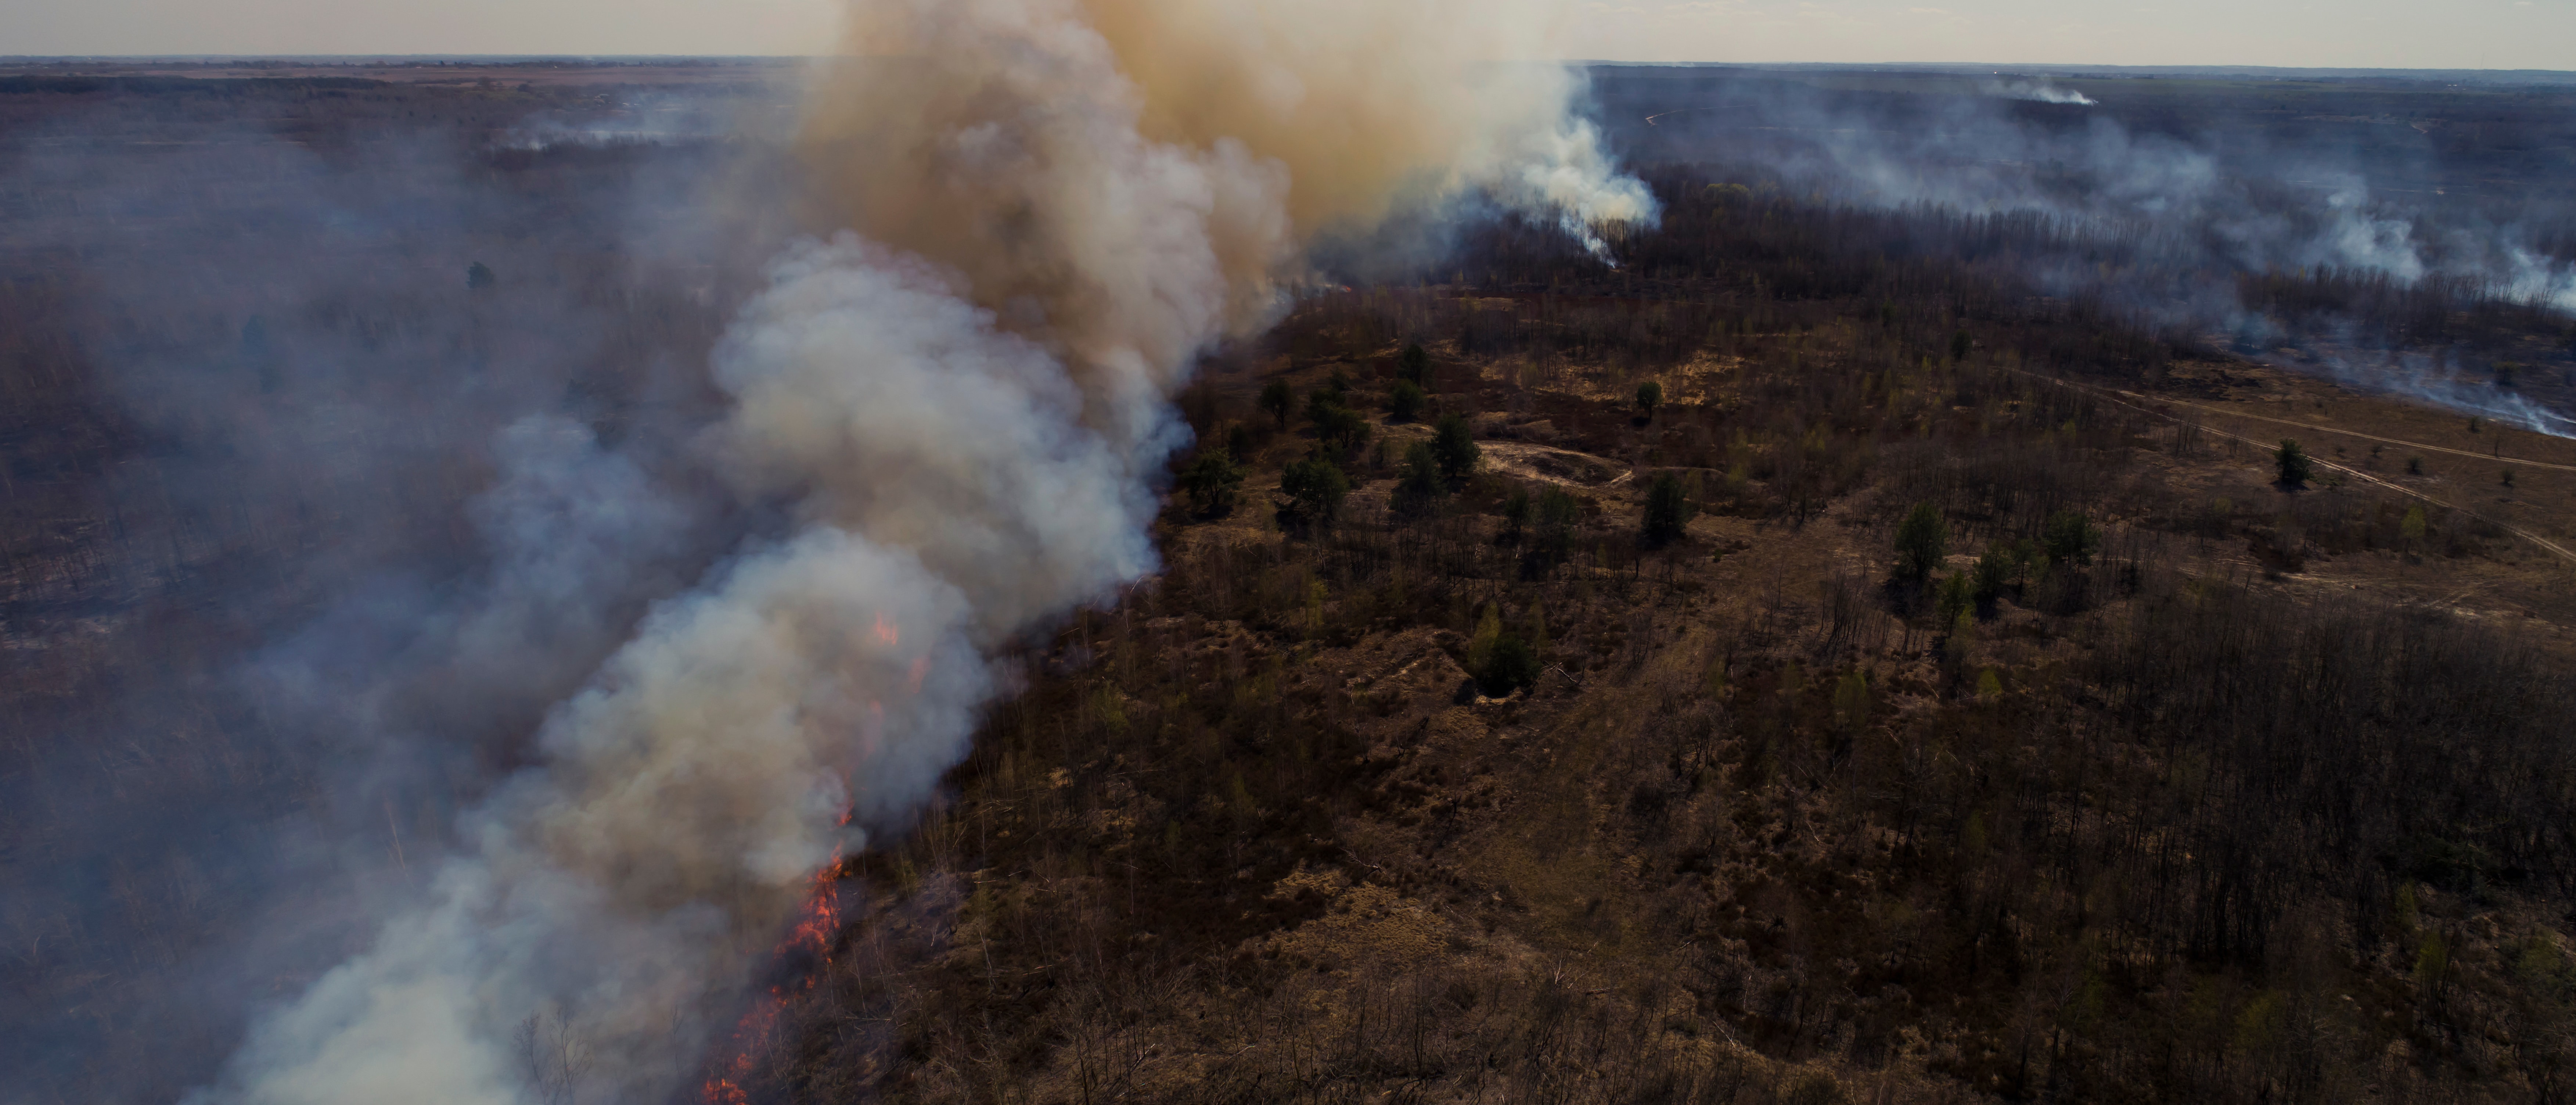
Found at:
[1035, 213]
[1019, 141]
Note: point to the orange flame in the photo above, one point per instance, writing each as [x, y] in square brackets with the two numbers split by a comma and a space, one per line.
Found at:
[887, 634]
[817, 921]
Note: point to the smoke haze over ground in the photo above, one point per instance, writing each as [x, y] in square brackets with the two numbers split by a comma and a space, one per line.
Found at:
[307, 523]
[2156, 194]
[687, 632]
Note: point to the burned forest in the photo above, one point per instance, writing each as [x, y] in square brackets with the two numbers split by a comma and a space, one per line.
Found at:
[594, 581]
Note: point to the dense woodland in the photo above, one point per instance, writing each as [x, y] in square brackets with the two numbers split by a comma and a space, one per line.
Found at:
[1881, 708]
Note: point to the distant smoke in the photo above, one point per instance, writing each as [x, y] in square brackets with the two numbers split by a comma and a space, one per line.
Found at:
[2531, 277]
[1051, 207]
[2422, 376]
[657, 119]
[2037, 91]
[2216, 192]
[2158, 211]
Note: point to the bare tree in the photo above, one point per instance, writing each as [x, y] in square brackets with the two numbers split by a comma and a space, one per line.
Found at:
[552, 1056]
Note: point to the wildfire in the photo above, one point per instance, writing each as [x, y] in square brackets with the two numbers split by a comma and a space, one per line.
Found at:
[810, 939]
[808, 942]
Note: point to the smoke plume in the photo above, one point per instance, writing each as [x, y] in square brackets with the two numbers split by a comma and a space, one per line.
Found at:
[2157, 210]
[1032, 215]
[2039, 91]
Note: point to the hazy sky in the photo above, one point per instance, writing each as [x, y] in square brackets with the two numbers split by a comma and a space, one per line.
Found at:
[2497, 34]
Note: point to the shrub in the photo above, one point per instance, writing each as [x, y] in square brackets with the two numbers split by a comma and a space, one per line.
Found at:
[1339, 430]
[1211, 481]
[1851, 699]
[1668, 511]
[1315, 488]
[1552, 531]
[2070, 537]
[1922, 540]
[1510, 665]
[1421, 487]
[1992, 572]
[2293, 463]
[1650, 395]
[1516, 512]
[1413, 366]
[1454, 446]
[2022, 556]
[1557, 510]
[1276, 401]
[1404, 401]
[1480, 644]
[1958, 596]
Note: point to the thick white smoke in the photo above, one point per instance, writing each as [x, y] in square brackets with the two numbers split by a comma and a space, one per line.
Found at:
[1050, 207]
[2532, 278]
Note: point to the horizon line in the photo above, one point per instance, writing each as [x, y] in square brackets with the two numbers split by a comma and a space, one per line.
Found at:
[2069, 67]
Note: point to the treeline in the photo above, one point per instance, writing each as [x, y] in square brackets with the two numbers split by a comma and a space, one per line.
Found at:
[1730, 250]
[216, 87]
[2121, 299]
[2379, 310]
